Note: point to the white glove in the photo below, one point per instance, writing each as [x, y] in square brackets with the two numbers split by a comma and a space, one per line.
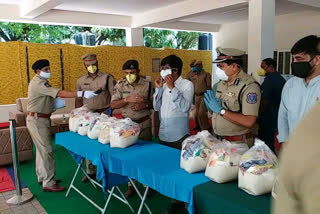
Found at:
[87, 94]
[59, 103]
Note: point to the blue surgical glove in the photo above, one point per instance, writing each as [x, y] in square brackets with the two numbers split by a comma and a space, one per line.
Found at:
[59, 103]
[212, 103]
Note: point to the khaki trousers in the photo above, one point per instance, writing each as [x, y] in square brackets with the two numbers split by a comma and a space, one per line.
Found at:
[201, 115]
[39, 129]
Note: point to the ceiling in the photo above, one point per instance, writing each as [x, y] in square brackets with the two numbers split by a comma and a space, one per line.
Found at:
[241, 13]
[115, 7]
[181, 14]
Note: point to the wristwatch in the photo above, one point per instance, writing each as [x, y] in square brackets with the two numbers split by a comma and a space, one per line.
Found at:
[222, 112]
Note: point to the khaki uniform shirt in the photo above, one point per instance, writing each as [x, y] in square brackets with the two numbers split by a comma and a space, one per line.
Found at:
[41, 96]
[123, 89]
[298, 188]
[102, 81]
[201, 81]
[243, 96]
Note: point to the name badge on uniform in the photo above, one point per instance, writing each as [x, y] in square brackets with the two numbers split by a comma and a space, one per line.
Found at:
[231, 94]
[86, 84]
[126, 92]
[252, 98]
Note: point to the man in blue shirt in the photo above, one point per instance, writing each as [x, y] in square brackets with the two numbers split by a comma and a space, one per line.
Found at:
[173, 99]
[271, 89]
[301, 92]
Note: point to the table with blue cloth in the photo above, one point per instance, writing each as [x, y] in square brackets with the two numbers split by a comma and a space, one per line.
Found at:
[154, 165]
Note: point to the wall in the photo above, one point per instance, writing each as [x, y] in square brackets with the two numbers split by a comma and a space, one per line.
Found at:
[288, 29]
[15, 56]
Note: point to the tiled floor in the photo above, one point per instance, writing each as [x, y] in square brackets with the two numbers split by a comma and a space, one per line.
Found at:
[32, 207]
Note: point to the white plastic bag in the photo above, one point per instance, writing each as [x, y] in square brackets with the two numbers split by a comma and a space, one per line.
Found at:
[124, 133]
[75, 115]
[258, 169]
[95, 126]
[85, 122]
[104, 135]
[223, 164]
[195, 151]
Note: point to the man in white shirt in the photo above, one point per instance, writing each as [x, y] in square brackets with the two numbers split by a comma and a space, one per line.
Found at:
[173, 98]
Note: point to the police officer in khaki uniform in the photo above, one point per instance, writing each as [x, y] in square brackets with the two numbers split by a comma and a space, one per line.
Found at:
[202, 82]
[41, 103]
[235, 101]
[94, 80]
[133, 95]
[298, 188]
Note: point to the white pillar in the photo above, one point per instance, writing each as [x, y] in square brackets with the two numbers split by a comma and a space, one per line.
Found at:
[134, 37]
[260, 34]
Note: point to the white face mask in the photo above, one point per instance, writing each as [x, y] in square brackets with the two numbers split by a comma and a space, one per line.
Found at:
[221, 74]
[45, 75]
[165, 73]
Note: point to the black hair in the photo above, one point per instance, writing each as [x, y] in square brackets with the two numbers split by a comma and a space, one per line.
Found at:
[308, 45]
[269, 62]
[174, 62]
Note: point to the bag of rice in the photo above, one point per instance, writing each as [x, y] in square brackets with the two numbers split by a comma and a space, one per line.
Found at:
[124, 133]
[104, 135]
[223, 164]
[258, 169]
[195, 151]
[74, 121]
[95, 127]
[85, 122]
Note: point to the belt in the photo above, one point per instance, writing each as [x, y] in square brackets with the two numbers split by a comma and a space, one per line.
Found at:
[236, 138]
[39, 115]
[141, 120]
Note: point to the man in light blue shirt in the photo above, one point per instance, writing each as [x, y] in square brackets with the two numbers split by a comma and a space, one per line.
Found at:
[301, 92]
[173, 99]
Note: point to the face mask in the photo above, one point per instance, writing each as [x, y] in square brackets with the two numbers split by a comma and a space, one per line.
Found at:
[301, 69]
[261, 72]
[165, 73]
[92, 69]
[131, 78]
[197, 69]
[221, 74]
[45, 75]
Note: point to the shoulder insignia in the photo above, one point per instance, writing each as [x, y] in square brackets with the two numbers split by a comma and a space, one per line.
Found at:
[47, 85]
[252, 98]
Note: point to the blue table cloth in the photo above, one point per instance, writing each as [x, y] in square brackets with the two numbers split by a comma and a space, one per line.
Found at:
[83, 147]
[152, 164]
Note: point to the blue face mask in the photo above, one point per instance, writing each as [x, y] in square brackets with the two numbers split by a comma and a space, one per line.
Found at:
[197, 69]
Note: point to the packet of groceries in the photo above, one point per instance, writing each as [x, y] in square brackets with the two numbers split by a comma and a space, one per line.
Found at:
[223, 164]
[196, 150]
[124, 133]
[258, 169]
